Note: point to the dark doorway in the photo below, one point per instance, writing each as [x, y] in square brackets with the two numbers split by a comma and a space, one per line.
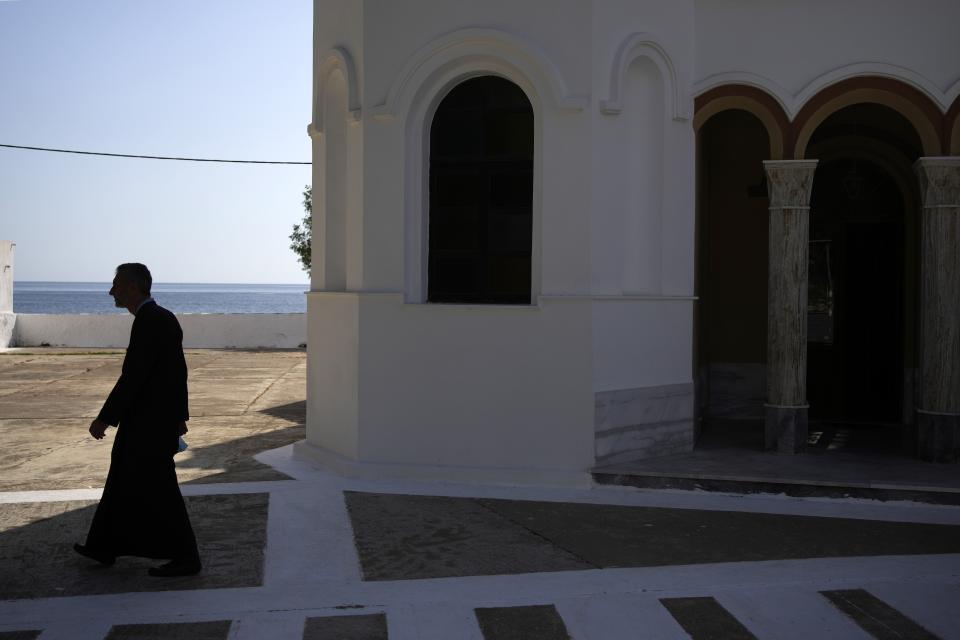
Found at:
[856, 323]
[731, 309]
[481, 195]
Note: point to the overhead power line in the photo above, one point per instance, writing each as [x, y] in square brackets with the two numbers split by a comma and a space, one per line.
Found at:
[131, 155]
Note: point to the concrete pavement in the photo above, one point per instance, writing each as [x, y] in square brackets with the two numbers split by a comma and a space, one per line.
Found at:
[293, 551]
[241, 403]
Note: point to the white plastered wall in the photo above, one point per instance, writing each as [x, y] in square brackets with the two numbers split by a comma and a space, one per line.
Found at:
[642, 212]
[473, 386]
[793, 51]
[464, 391]
[642, 223]
[333, 358]
[511, 392]
[332, 338]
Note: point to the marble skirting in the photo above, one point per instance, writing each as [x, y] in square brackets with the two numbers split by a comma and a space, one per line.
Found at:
[734, 390]
[646, 422]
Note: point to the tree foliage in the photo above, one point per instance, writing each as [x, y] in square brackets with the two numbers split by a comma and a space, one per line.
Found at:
[303, 232]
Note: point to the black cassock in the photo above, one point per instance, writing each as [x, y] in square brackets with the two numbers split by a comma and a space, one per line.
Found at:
[142, 512]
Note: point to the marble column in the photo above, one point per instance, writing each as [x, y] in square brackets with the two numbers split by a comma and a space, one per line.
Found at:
[789, 183]
[938, 412]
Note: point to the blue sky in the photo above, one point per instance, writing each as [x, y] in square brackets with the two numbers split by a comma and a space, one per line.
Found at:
[197, 78]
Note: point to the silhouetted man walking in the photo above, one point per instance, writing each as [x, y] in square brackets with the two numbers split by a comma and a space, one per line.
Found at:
[142, 512]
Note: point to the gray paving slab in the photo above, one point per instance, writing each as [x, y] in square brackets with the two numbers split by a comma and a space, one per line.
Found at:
[413, 537]
[363, 627]
[522, 623]
[26, 634]
[209, 630]
[612, 536]
[37, 559]
[875, 616]
[400, 537]
[705, 619]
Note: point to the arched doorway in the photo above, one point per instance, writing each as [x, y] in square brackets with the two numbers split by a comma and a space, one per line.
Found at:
[863, 278]
[862, 293]
[731, 309]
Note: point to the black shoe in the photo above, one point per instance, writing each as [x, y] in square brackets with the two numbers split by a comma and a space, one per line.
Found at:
[189, 567]
[87, 552]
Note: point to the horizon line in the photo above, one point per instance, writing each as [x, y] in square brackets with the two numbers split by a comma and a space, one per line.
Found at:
[155, 282]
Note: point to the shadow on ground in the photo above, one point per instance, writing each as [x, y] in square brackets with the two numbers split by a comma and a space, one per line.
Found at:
[235, 457]
[293, 411]
[37, 559]
[414, 537]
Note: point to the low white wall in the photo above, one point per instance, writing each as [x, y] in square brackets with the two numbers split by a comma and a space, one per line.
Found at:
[200, 330]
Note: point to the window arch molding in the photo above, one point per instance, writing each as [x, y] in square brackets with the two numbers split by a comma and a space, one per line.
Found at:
[506, 54]
[336, 59]
[419, 115]
[644, 45]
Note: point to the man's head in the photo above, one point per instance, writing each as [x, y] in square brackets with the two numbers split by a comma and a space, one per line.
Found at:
[131, 285]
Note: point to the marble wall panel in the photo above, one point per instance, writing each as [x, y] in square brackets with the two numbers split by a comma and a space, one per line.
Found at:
[736, 390]
[633, 424]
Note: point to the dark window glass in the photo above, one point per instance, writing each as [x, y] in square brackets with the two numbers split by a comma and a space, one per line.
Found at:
[481, 195]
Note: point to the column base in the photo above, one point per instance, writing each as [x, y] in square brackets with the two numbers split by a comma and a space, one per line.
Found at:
[785, 430]
[938, 436]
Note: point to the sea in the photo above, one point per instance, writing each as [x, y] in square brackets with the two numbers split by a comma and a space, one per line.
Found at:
[93, 297]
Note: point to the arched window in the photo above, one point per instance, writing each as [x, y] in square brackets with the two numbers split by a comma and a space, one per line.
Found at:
[481, 195]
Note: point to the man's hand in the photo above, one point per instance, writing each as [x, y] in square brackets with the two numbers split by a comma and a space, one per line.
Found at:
[97, 428]
[182, 428]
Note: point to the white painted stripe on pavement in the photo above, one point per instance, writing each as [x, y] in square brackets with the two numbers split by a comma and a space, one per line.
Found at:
[309, 538]
[619, 617]
[443, 621]
[790, 614]
[401, 623]
[934, 607]
[322, 592]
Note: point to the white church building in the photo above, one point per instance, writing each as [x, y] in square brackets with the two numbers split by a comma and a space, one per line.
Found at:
[551, 235]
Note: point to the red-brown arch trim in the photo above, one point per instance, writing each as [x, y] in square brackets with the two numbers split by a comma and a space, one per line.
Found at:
[952, 128]
[923, 106]
[754, 95]
[939, 132]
